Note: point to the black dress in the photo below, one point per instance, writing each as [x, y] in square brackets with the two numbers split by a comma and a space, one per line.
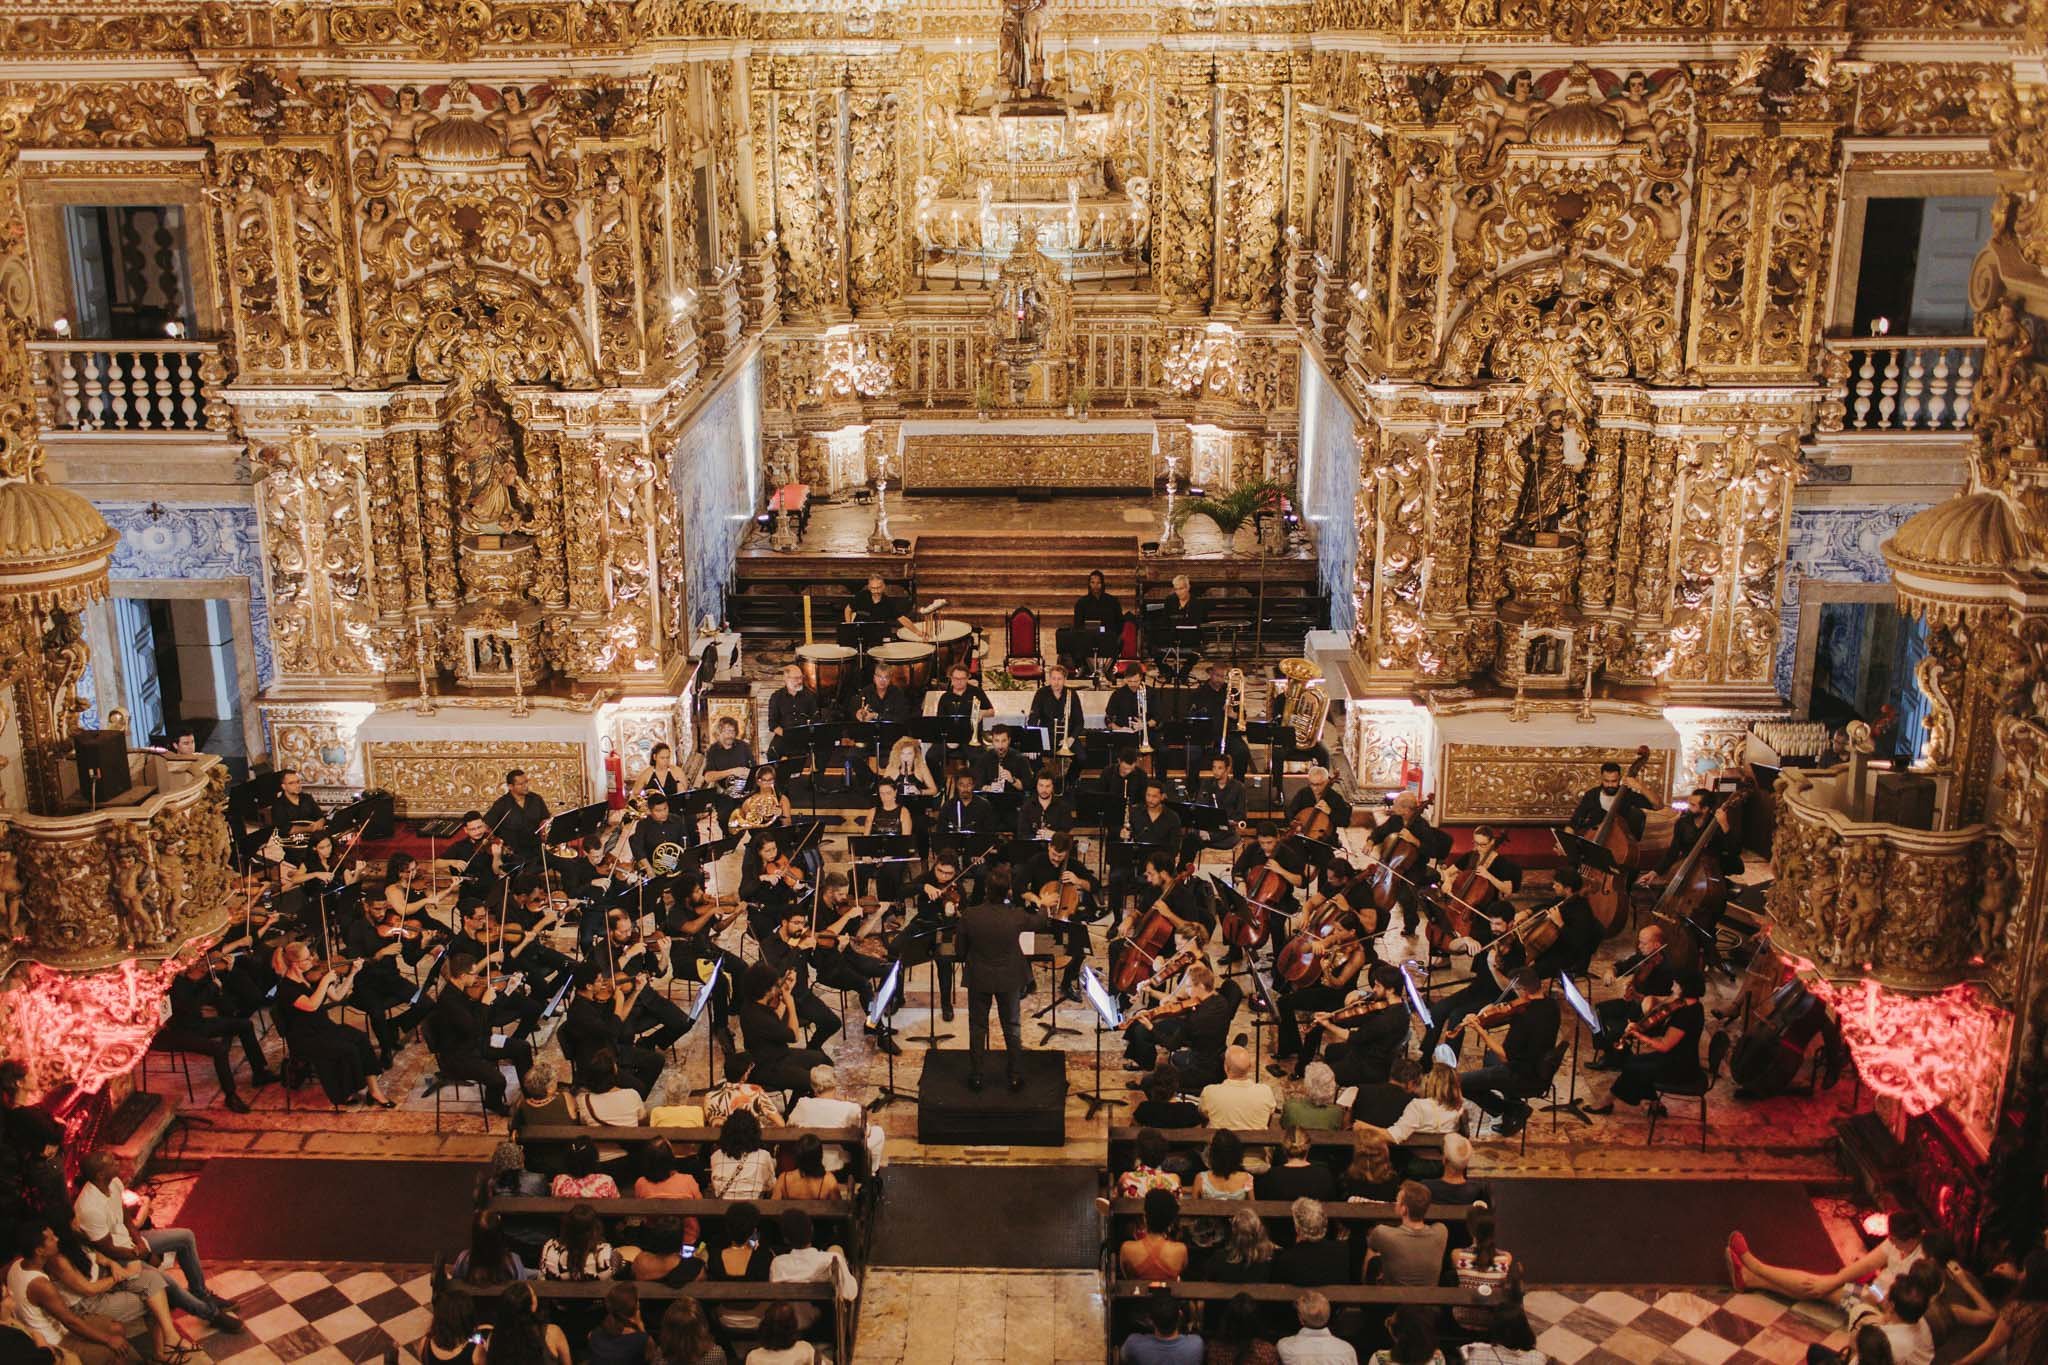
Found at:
[340, 1056]
[1643, 1073]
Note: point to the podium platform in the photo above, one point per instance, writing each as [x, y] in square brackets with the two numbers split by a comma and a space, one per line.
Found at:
[948, 1112]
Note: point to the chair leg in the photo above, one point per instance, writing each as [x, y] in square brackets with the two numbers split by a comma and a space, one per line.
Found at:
[1703, 1120]
[185, 1062]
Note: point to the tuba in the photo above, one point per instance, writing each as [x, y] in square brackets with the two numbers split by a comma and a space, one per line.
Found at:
[1308, 706]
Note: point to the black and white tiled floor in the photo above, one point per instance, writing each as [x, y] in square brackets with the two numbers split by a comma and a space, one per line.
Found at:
[1645, 1327]
[320, 1315]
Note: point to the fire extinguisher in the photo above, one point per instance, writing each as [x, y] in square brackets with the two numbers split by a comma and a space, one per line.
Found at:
[614, 778]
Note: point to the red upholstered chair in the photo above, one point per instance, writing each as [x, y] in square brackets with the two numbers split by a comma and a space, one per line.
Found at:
[1129, 649]
[1021, 657]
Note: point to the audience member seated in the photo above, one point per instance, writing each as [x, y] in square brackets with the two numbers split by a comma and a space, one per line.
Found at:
[1154, 1254]
[541, 1099]
[684, 1338]
[659, 1178]
[1881, 1266]
[1314, 1258]
[1439, 1107]
[64, 1311]
[1316, 1106]
[1238, 1101]
[823, 1108]
[740, 1257]
[808, 1178]
[668, 1254]
[804, 1263]
[580, 1178]
[737, 1094]
[780, 1344]
[1246, 1256]
[1510, 1341]
[1148, 1171]
[1954, 1301]
[1297, 1176]
[1381, 1102]
[1239, 1338]
[1164, 1343]
[579, 1251]
[2021, 1330]
[1482, 1265]
[605, 1102]
[1370, 1176]
[1412, 1338]
[1225, 1176]
[1314, 1344]
[1162, 1106]
[741, 1168]
[490, 1260]
[1410, 1252]
[447, 1340]
[510, 1176]
[521, 1334]
[112, 1227]
[1903, 1320]
[621, 1338]
[1452, 1187]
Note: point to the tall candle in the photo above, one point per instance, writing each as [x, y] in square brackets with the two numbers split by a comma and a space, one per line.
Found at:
[807, 618]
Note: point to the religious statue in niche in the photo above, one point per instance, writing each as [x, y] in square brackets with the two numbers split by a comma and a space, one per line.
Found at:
[1548, 654]
[1020, 43]
[1547, 490]
[490, 652]
[490, 482]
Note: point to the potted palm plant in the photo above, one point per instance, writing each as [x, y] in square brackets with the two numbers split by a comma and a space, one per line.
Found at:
[1236, 513]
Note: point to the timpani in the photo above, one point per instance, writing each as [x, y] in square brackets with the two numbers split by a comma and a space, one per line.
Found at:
[826, 667]
[910, 664]
[952, 644]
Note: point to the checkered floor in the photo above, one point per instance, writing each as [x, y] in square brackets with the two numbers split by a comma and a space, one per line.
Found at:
[1644, 1327]
[320, 1315]
[332, 1315]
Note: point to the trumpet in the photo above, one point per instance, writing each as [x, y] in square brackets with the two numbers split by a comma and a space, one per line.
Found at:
[1144, 724]
[974, 722]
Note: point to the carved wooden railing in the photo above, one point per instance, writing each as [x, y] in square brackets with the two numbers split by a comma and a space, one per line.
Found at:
[1867, 900]
[130, 385]
[1907, 384]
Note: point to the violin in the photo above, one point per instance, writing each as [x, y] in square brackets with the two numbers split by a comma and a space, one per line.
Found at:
[1499, 1012]
[1361, 1009]
[1657, 1018]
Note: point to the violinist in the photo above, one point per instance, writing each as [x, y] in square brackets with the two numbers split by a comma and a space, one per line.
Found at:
[693, 918]
[484, 943]
[794, 704]
[661, 832]
[1178, 899]
[341, 1056]
[1342, 954]
[472, 855]
[1647, 975]
[1597, 801]
[769, 881]
[1049, 879]
[845, 960]
[1665, 1049]
[596, 1022]
[1044, 813]
[464, 1047]
[1517, 1069]
[999, 768]
[965, 811]
[728, 759]
[661, 775]
[204, 1021]
[1056, 709]
[403, 902]
[1168, 981]
[790, 949]
[652, 1019]
[1367, 1033]
[882, 701]
[1186, 1018]
[939, 896]
[587, 876]
[520, 817]
[1222, 788]
[374, 939]
[771, 1026]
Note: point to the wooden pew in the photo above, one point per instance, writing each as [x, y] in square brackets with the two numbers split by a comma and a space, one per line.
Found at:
[708, 1292]
[706, 1211]
[1335, 1210]
[1318, 1138]
[853, 1139]
[1211, 1294]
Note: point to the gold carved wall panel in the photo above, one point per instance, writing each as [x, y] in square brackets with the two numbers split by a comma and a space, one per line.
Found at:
[448, 777]
[1535, 785]
[1120, 459]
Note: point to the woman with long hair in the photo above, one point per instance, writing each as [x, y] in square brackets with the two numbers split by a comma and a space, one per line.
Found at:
[620, 1338]
[1412, 1339]
[579, 1251]
[684, 1338]
[489, 1259]
[1370, 1175]
[521, 1334]
[446, 1340]
[741, 1167]
[1482, 1265]
[1246, 1256]
[2022, 1326]
[1226, 1177]
[1238, 1338]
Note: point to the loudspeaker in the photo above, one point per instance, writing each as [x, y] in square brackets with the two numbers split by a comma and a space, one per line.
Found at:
[105, 753]
[1903, 799]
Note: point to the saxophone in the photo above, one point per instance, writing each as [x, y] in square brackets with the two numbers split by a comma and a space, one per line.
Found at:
[1144, 724]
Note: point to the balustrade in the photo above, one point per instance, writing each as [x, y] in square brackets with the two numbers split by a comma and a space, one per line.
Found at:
[130, 385]
[1898, 384]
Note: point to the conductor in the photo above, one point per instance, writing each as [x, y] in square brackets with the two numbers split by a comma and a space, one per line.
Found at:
[996, 968]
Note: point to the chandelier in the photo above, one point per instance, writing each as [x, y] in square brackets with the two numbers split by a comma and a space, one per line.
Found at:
[852, 368]
[1197, 358]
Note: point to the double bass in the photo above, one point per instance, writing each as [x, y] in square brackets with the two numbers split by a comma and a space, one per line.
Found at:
[1602, 888]
[1697, 881]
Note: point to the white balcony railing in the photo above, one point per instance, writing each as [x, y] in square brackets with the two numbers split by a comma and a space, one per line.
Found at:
[1899, 384]
[130, 385]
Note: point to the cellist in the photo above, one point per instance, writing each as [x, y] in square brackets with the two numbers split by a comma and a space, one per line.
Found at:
[1483, 860]
[1286, 860]
[1344, 951]
[1320, 795]
[1181, 905]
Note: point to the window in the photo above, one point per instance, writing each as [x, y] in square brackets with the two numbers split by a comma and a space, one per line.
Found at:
[1915, 270]
[130, 275]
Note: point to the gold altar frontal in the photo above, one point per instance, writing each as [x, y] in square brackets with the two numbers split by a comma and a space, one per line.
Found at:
[1005, 460]
[1495, 763]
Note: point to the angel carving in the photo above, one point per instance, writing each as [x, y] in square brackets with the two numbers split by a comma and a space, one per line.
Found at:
[1645, 111]
[516, 121]
[1505, 115]
[404, 123]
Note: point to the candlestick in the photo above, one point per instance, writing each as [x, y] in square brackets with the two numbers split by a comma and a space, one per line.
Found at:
[807, 618]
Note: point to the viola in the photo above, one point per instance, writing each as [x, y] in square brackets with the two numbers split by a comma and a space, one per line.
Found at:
[1149, 937]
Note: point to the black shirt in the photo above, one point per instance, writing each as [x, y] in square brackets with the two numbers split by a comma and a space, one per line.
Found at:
[768, 1038]
[988, 763]
[1290, 1183]
[518, 823]
[1504, 868]
[1101, 610]
[1531, 1034]
[1172, 615]
[1576, 941]
[190, 999]
[890, 708]
[1376, 1041]
[1040, 873]
[788, 710]
[651, 834]
[738, 754]
[884, 608]
[784, 957]
[1723, 853]
[1340, 809]
[1160, 831]
[1310, 1264]
[1048, 714]
[960, 705]
[458, 1022]
[1057, 815]
[1380, 1104]
[1120, 712]
[289, 811]
[1228, 797]
[1207, 715]
[1168, 1113]
[1589, 812]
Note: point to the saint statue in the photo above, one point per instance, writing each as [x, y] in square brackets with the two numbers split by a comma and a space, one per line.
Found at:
[1020, 51]
[495, 498]
[1548, 499]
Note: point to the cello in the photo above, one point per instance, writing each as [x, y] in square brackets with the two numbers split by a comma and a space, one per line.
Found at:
[1402, 863]
[1299, 960]
[1602, 888]
[1151, 935]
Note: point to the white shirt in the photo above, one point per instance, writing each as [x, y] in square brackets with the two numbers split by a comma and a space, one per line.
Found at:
[1423, 1116]
[100, 1215]
[1242, 1104]
[813, 1111]
[1912, 1342]
[34, 1320]
[813, 1264]
[1315, 1346]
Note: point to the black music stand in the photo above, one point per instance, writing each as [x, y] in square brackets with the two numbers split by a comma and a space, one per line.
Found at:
[1571, 1104]
[1107, 1016]
[871, 735]
[875, 850]
[580, 823]
[819, 744]
[697, 1012]
[860, 637]
[879, 1010]
[1268, 1013]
